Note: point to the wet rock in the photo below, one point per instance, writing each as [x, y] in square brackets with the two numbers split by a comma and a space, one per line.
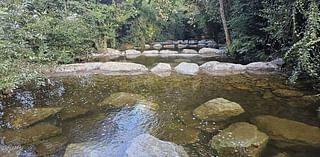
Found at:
[132, 53]
[267, 95]
[187, 118]
[287, 93]
[287, 133]
[85, 149]
[218, 109]
[211, 127]
[240, 139]
[262, 68]
[157, 46]
[162, 69]
[210, 51]
[168, 52]
[121, 99]
[20, 118]
[51, 146]
[311, 98]
[10, 151]
[187, 68]
[189, 51]
[70, 112]
[30, 135]
[146, 145]
[281, 155]
[181, 134]
[222, 69]
[147, 104]
[123, 68]
[168, 46]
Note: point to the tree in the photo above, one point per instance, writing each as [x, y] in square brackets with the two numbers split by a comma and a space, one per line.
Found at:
[224, 22]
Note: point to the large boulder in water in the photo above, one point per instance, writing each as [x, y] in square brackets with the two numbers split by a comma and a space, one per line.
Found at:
[29, 135]
[20, 118]
[162, 69]
[187, 68]
[146, 145]
[123, 68]
[286, 133]
[240, 139]
[262, 68]
[132, 53]
[215, 68]
[218, 109]
[70, 112]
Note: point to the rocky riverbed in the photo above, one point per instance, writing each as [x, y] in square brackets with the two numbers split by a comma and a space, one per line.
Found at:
[187, 109]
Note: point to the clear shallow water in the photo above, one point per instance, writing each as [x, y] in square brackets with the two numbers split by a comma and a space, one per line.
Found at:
[112, 129]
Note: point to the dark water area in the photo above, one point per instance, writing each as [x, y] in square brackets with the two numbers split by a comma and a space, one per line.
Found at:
[110, 130]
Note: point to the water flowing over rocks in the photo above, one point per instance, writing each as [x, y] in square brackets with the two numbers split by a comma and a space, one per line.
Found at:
[187, 68]
[146, 145]
[287, 133]
[240, 139]
[218, 109]
[29, 135]
[162, 69]
[70, 112]
[20, 118]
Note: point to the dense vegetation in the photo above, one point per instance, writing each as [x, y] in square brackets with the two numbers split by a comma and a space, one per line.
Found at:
[38, 33]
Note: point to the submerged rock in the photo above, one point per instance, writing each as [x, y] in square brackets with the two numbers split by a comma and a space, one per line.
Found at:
[30, 135]
[70, 112]
[10, 151]
[146, 145]
[240, 139]
[218, 109]
[51, 146]
[222, 69]
[287, 93]
[20, 118]
[162, 69]
[281, 155]
[187, 68]
[181, 134]
[121, 99]
[288, 133]
[85, 149]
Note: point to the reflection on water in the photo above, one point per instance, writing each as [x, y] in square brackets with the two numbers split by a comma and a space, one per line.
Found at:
[108, 131]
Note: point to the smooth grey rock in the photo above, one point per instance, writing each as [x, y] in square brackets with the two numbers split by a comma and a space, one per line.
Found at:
[132, 53]
[147, 47]
[80, 67]
[168, 52]
[279, 62]
[182, 46]
[210, 51]
[288, 133]
[157, 46]
[262, 68]
[146, 145]
[151, 52]
[212, 44]
[218, 109]
[189, 51]
[168, 46]
[123, 68]
[187, 68]
[85, 149]
[240, 139]
[162, 69]
[222, 69]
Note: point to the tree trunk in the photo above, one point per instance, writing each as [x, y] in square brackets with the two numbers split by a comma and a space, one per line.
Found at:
[224, 22]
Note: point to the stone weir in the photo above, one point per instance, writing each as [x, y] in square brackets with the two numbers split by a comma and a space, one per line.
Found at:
[213, 68]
